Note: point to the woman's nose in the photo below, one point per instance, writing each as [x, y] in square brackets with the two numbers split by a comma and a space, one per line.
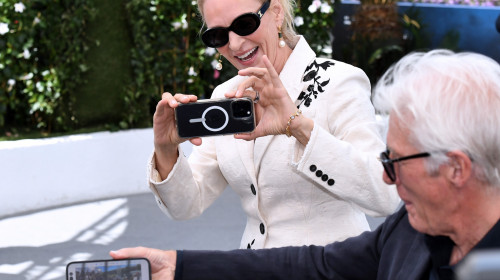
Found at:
[235, 41]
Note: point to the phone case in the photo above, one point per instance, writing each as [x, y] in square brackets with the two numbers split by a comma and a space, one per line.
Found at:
[211, 117]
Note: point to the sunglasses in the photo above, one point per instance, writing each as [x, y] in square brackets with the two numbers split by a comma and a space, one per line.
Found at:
[243, 25]
[389, 163]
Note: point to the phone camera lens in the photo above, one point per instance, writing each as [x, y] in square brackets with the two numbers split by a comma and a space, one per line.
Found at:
[241, 108]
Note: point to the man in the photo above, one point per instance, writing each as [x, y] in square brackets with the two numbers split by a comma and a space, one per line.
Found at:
[443, 155]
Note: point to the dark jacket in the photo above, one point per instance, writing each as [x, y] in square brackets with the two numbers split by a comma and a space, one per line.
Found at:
[393, 251]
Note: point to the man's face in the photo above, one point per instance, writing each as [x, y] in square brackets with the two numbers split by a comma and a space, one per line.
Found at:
[427, 197]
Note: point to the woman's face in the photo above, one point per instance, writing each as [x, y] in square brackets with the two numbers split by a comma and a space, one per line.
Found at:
[245, 51]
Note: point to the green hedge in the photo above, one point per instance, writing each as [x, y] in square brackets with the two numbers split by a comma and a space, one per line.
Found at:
[68, 64]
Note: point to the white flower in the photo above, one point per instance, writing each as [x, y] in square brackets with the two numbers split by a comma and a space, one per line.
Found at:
[28, 76]
[312, 9]
[11, 83]
[36, 20]
[191, 72]
[325, 8]
[183, 24]
[210, 51]
[298, 21]
[19, 7]
[26, 54]
[214, 64]
[314, 6]
[4, 28]
[176, 25]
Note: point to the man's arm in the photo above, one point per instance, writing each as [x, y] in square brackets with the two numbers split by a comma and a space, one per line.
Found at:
[355, 258]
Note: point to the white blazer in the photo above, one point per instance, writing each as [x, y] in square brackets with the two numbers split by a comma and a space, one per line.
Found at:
[293, 194]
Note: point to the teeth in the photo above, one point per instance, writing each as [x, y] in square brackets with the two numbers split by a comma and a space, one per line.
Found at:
[246, 55]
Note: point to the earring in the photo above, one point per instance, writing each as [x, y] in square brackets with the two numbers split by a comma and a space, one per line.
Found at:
[280, 35]
[219, 64]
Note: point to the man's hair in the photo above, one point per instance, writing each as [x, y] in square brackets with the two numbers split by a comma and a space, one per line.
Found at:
[449, 101]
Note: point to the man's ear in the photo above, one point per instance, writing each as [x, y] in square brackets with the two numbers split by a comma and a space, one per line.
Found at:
[459, 167]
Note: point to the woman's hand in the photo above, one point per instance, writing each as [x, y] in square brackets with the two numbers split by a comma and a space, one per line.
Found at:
[166, 138]
[164, 120]
[274, 106]
[162, 262]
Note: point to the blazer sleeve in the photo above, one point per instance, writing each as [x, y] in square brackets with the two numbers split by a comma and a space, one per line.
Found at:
[192, 185]
[341, 155]
[195, 182]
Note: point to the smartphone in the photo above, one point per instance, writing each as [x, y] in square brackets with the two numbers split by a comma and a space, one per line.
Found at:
[211, 117]
[125, 269]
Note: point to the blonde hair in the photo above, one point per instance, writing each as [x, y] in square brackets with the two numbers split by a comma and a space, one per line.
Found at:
[287, 27]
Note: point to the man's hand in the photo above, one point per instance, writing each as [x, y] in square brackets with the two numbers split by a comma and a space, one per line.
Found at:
[162, 262]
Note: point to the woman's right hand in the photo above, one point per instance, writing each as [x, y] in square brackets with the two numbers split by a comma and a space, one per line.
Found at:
[166, 138]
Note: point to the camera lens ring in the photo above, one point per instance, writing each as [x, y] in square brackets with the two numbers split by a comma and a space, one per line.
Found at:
[203, 117]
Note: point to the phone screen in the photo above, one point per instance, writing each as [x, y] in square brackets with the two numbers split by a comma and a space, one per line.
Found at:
[126, 269]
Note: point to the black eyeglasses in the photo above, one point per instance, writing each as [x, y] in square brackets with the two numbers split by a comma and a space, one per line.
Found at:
[243, 25]
[388, 163]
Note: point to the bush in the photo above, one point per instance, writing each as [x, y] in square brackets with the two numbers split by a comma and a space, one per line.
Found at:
[42, 58]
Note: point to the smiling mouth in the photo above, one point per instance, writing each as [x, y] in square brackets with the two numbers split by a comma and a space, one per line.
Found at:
[247, 56]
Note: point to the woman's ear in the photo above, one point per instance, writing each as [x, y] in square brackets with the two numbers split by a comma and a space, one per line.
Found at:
[460, 168]
[278, 12]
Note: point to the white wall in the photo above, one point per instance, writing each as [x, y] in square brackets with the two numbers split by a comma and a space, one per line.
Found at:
[41, 173]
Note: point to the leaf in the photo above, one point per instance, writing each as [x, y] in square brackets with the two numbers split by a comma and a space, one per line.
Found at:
[309, 76]
[324, 83]
[326, 64]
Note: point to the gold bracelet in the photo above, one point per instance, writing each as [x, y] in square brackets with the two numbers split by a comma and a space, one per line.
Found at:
[292, 117]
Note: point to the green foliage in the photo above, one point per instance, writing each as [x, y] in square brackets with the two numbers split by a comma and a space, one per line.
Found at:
[42, 56]
[314, 20]
[168, 54]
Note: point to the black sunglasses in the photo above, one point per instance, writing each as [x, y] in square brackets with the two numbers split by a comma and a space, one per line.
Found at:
[388, 163]
[243, 25]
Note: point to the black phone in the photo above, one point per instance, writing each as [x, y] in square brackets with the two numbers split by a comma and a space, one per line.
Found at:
[124, 269]
[211, 117]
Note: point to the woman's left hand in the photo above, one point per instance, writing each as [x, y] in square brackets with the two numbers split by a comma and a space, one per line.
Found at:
[274, 107]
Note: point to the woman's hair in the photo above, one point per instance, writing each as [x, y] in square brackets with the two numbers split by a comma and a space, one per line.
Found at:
[449, 101]
[287, 28]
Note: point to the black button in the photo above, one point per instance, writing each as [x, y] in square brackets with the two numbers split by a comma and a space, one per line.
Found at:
[319, 173]
[313, 168]
[331, 182]
[253, 189]
[262, 229]
[324, 177]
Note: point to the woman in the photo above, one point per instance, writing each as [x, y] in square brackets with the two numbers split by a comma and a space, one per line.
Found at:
[311, 172]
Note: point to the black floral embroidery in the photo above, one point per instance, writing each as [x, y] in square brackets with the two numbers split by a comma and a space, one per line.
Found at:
[249, 246]
[317, 85]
